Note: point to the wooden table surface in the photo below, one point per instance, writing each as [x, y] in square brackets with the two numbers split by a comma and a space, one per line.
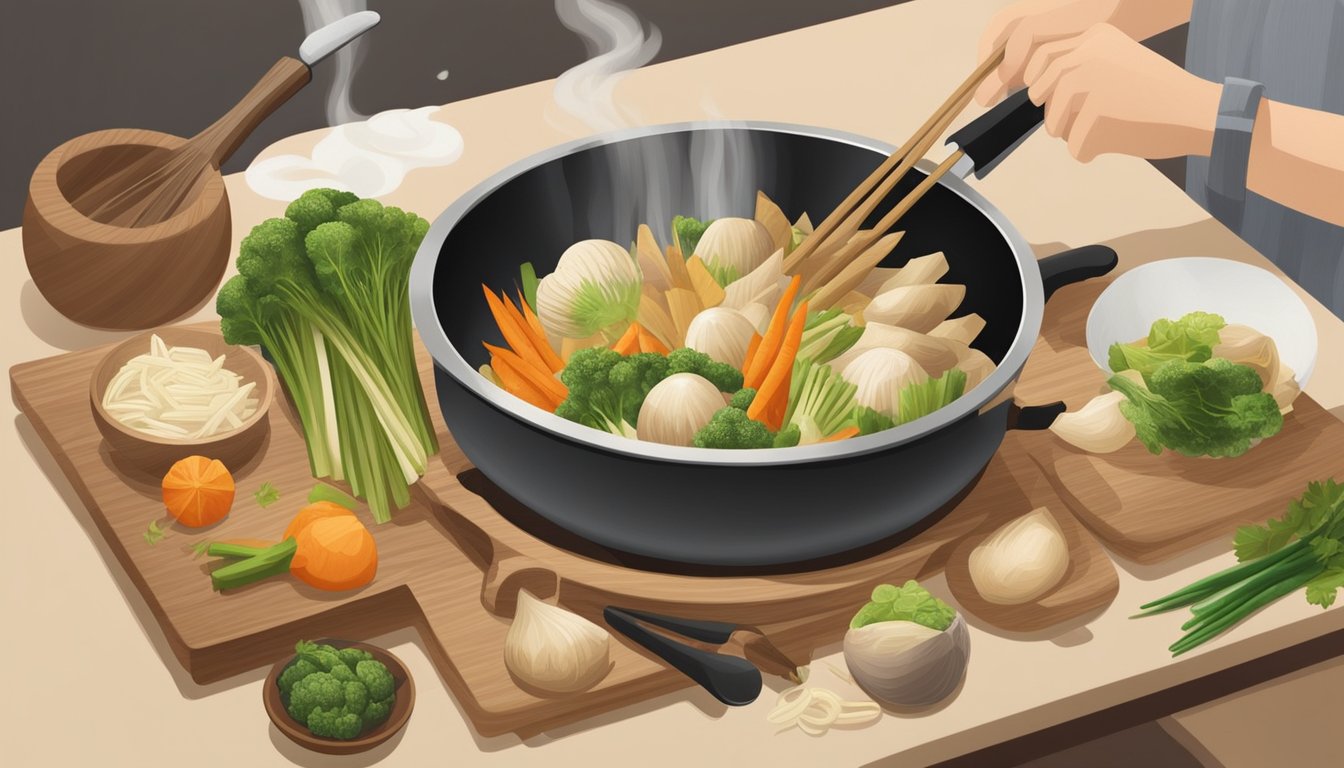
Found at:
[76, 629]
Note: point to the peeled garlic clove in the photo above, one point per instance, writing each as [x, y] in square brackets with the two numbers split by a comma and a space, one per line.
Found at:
[917, 307]
[921, 270]
[1021, 561]
[907, 664]
[553, 649]
[1247, 346]
[722, 333]
[676, 408]
[733, 247]
[1285, 389]
[1098, 427]
[596, 284]
[879, 375]
[934, 355]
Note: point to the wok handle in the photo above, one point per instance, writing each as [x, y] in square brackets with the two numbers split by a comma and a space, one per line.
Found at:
[732, 680]
[1034, 417]
[1075, 266]
[989, 138]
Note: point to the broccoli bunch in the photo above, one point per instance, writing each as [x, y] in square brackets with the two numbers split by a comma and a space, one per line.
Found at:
[732, 428]
[337, 693]
[606, 388]
[687, 360]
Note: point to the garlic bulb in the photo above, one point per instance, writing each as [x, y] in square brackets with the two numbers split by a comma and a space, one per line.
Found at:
[934, 355]
[553, 649]
[908, 664]
[880, 374]
[677, 407]
[595, 285]
[732, 247]
[1285, 389]
[1020, 561]
[722, 333]
[917, 307]
[1098, 427]
[1247, 346]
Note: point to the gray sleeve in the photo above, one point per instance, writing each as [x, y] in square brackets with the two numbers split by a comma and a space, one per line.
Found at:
[1226, 186]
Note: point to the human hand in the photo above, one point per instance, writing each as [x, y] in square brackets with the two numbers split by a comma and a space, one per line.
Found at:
[1024, 26]
[1104, 92]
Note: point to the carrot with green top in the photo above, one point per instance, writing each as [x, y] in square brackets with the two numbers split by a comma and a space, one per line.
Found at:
[772, 397]
[770, 344]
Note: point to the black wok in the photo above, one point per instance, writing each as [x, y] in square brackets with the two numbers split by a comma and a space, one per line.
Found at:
[706, 507]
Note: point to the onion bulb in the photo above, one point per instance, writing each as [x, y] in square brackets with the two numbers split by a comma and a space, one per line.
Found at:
[722, 333]
[908, 664]
[677, 407]
[880, 374]
[1247, 346]
[732, 248]
[595, 285]
[1098, 427]
[553, 649]
[1020, 561]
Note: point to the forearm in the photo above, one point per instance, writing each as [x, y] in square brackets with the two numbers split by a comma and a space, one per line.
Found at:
[1141, 19]
[1297, 159]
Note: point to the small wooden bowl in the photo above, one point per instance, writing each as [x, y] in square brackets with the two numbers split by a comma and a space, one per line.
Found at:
[156, 454]
[298, 732]
[120, 277]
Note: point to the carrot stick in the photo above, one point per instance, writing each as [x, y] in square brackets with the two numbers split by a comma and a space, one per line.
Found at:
[844, 433]
[650, 343]
[537, 377]
[772, 398]
[517, 385]
[515, 335]
[751, 350]
[774, 337]
[628, 344]
[535, 335]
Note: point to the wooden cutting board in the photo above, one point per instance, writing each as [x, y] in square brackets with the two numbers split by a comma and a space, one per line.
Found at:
[451, 565]
[1148, 508]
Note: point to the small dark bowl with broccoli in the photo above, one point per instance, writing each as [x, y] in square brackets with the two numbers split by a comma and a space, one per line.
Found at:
[339, 697]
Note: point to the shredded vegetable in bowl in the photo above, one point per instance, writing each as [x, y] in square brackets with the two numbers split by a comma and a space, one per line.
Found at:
[179, 392]
[720, 340]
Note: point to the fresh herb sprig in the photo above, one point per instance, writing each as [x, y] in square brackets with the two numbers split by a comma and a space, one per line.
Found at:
[1302, 549]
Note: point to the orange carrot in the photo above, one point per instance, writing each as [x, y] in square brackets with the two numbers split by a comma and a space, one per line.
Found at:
[650, 343]
[844, 433]
[772, 397]
[537, 377]
[769, 347]
[198, 491]
[535, 337]
[516, 384]
[531, 317]
[751, 350]
[335, 553]
[628, 344]
[515, 335]
[312, 513]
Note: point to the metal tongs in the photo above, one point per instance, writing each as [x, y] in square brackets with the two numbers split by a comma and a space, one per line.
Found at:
[732, 680]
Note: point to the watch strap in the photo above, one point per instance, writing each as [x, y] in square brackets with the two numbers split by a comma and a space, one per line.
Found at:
[1231, 152]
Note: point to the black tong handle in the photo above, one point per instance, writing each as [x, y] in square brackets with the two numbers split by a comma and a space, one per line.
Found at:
[731, 680]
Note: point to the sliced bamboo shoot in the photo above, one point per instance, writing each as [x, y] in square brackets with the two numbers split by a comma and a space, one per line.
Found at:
[652, 263]
[676, 268]
[963, 329]
[917, 307]
[774, 221]
[703, 283]
[922, 270]
[683, 305]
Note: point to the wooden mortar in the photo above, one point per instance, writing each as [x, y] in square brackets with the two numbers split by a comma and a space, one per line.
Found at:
[121, 277]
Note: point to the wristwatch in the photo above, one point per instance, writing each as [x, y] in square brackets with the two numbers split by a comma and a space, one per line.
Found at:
[1231, 152]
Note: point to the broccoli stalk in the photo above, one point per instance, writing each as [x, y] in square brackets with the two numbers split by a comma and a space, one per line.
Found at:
[821, 402]
[827, 335]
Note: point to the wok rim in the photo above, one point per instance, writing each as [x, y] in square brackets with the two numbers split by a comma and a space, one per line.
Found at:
[446, 356]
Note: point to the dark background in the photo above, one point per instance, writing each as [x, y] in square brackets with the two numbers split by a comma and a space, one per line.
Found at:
[74, 66]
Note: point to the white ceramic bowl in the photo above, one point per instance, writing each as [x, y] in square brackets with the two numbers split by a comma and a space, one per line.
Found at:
[1171, 288]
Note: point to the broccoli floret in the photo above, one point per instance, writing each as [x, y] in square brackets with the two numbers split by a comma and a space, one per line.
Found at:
[374, 676]
[788, 437]
[606, 389]
[319, 689]
[377, 711]
[688, 231]
[317, 206]
[334, 723]
[343, 673]
[352, 656]
[730, 428]
[687, 360]
[742, 398]
[295, 672]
